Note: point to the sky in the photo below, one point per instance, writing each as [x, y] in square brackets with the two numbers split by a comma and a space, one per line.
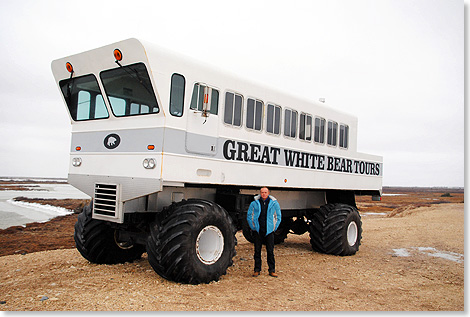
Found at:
[398, 65]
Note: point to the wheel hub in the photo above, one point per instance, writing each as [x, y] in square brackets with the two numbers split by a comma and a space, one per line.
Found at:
[352, 233]
[209, 245]
[121, 242]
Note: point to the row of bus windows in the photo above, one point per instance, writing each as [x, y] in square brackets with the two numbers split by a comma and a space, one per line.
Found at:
[305, 126]
[129, 96]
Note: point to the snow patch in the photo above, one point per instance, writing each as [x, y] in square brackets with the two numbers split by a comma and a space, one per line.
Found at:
[46, 209]
[401, 252]
[373, 213]
[451, 256]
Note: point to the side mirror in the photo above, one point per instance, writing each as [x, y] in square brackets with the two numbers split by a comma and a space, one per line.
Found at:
[206, 105]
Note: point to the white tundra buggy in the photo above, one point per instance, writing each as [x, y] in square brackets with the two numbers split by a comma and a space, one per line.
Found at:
[172, 152]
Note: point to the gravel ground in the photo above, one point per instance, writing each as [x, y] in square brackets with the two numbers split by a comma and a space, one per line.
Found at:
[410, 261]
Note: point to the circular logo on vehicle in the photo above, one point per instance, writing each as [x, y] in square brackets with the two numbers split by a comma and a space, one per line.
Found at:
[112, 141]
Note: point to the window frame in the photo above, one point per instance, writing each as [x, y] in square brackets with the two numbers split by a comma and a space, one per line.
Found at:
[74, 99]
[346, 134]
[231, 123]
[128, 101]
[291, 123]
[321, 135]
[171, 96]
[255, 100]
[275, 106]
[306, 116]
[334, 123]
[213, 89]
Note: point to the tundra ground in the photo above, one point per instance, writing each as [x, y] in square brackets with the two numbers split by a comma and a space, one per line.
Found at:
[411, 259]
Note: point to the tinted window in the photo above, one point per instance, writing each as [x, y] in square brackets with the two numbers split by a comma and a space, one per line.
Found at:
[83, 97]
[228, 113]
[177, 95]
[290, 123]
[254, 114]
[233, 109]
[129, 90]
[214, 101]
[319, 135]
[343, 136]
[305, 127]
[332, 133]
[197, 99]
[273, 119]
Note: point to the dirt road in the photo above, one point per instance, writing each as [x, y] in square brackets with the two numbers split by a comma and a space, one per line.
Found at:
[411, 261]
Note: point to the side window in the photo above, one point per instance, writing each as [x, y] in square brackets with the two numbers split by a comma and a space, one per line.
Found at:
[273, 119]
[290, 123]
[319, 136]
[254, 114]
[305, 127]
[233, 109]
[332, 133]
[197, 99]
[177, 95]
[214, 101]
[343, 136]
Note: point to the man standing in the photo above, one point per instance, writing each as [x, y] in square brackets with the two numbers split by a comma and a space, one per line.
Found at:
[264, 217]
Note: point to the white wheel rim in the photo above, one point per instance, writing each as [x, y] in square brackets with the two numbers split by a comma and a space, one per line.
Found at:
[209, 245]
[352, 233]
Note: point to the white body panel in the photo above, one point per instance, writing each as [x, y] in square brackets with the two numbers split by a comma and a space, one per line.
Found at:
[190, 148]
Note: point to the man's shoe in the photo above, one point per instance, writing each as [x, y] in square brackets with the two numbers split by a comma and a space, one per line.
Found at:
[273, 274]
[256, 273]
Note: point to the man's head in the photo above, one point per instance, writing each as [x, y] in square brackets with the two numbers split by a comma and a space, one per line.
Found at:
[264, 192]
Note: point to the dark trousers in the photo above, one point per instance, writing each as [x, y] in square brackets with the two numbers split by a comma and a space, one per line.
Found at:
[269, 241]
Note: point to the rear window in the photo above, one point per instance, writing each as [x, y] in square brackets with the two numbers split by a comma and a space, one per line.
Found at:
[129, 90]
[83, 97]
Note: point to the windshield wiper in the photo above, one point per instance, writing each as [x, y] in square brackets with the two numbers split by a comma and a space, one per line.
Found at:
[137, 77]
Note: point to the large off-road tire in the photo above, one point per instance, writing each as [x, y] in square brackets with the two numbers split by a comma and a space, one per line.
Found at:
[96, 241]
[279, 235]
[194, 244]
[335, 229]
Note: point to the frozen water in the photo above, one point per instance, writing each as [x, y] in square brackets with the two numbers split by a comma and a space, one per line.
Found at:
[14, 213]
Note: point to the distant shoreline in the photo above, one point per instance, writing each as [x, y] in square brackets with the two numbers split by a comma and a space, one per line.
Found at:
[388, 189]
[32, 180]
[396, 189]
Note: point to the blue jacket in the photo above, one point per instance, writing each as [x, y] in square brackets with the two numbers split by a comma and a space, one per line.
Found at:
[273, 218]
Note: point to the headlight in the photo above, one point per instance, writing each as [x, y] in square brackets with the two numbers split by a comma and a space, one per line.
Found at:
[149, 163]
[76, 161]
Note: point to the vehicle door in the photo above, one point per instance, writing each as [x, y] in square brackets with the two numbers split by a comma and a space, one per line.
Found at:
[203, 121]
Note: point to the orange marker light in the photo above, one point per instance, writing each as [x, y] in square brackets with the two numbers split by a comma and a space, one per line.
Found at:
[117, 55]
[78, 148]
[151, 147]
[69, 67]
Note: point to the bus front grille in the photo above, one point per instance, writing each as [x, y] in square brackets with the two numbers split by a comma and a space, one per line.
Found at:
[106, 199]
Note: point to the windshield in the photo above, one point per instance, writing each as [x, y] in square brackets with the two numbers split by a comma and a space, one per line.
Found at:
[83, 98]
[129, 90]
